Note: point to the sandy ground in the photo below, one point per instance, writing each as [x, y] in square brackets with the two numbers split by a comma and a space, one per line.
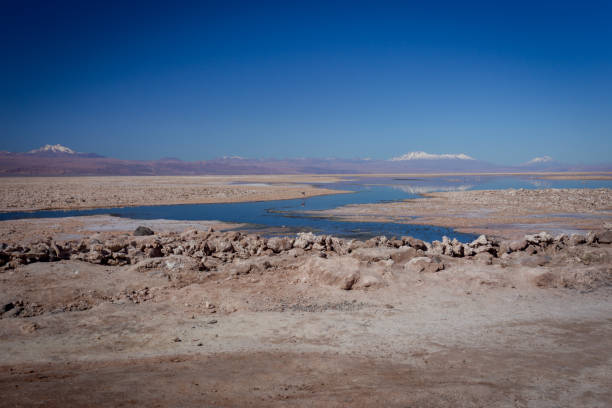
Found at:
[43, 193]
[25, 231]
[503, 213]
[471, 335]
[524, 330]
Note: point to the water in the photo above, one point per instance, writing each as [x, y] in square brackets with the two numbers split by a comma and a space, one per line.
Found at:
[287, 216]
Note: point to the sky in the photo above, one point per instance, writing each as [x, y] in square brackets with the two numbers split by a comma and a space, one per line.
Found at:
[499, 81]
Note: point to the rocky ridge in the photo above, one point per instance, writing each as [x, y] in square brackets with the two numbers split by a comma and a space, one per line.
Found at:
[190, 256]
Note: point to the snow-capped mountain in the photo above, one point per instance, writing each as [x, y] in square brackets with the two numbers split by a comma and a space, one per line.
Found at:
[56, 148]
[58, 160]
[431, 156]
[538, 160]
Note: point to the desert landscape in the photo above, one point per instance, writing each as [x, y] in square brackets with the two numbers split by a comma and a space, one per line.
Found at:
[106, 311]
[306, 204]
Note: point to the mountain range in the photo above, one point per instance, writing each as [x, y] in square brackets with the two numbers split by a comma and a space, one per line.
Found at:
[58, 160]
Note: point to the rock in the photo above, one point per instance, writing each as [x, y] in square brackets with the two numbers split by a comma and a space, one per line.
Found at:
[577, 239]
[353, 244]
[518, 245]
[349, 281]
[424, 264]
[304, 240]
[7, 307]
[143, 231]
[604, 237]
[480, 241]
[279, 244]
[541, 239]
[403, 255]
[12, 309]
[296, 252]
[436, 248]
[396, 243]
[208, 263]
[370, 243]
[591, 238]
[373, 254]
[114, 245]
[339, 272]
[155, 251]
[468, 250]
[317, 247]
[456, 248]
[414, 243]
[337, 245]
[220, 244]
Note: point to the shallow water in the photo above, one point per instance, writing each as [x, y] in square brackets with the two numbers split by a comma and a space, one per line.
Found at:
[285, 216]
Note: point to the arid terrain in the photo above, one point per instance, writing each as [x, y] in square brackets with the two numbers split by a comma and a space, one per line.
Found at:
[102, 311]
[64, 193]
[503, 213]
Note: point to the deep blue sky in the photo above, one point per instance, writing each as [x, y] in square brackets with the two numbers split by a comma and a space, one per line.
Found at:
[500, 82]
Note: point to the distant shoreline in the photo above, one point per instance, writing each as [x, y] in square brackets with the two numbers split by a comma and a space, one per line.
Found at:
[552, 175]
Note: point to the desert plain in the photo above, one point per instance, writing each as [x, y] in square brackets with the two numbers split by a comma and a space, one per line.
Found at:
[103, 311]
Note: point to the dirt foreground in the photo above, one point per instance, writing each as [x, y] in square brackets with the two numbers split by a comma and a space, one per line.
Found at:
[204, 318]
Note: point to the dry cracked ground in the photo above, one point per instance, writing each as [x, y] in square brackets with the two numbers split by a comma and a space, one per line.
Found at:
[211, 318]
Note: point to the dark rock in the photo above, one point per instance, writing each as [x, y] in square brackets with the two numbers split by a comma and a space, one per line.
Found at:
[143, 231]
[604, 237]
[8, 307]
[155, 251]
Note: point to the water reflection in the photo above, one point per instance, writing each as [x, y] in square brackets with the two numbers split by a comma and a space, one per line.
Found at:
[432, 189]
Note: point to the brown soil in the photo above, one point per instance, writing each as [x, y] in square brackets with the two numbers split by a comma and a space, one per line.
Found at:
[518, 331]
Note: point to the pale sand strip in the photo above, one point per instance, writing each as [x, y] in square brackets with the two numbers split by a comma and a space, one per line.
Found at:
[42, 193]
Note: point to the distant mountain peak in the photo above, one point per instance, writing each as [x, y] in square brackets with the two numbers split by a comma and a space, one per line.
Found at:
[431, 156]
[543, 159]
[56, 148]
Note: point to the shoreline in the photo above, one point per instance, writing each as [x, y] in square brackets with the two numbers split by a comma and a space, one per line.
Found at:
[324, 192]
[502, 213]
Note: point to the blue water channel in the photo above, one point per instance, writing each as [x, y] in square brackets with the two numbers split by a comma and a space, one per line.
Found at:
[291, 216]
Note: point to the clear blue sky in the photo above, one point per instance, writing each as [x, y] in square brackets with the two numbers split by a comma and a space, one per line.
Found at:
[197, 80]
